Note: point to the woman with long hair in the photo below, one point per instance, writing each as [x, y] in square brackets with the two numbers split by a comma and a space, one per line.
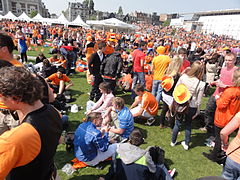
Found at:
[172, 75]
[192, 81]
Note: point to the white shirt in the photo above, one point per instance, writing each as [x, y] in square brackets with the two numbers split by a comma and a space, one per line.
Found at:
[100, 54]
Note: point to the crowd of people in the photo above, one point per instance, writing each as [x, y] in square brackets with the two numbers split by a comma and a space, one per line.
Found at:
[168, 71]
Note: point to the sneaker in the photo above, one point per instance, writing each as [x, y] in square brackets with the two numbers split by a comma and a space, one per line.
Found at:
[172, 172]
[173, 144]
[184, 145]
[203, 129]
[150, 121]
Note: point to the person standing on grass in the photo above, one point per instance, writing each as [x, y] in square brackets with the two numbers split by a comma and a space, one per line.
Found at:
[27, 151]
[189, 82]
[94, 65]
[22, 45]
[159, 66]
[228, 104]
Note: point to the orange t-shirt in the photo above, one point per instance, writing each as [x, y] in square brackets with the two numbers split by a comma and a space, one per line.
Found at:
[149, 103]
[19, 146]
[108, 50]
[227, 106]
[160, 64]
[51, 59]
[56, 81]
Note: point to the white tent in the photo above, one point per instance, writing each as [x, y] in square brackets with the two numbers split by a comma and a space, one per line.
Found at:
[60, 20]
[10, 15]
[78, 22]
[24, 17]
[113, 22]
[38, 18]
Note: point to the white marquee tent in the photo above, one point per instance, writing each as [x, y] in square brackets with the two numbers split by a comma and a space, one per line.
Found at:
[78, 22]
[24, 17]
[60, 20]
[10, 15]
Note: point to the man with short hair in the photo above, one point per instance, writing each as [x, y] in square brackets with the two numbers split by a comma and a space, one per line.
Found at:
[182, 52]
[122, 118]
[94, 65]
[27, 151]
[111, 67]
[159, 66]
[222, 83]
[91, 145]
[145, 105]
[138, 66]
[58, 81]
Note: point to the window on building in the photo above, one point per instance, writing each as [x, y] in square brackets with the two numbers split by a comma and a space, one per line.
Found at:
[14, 7]
[1, 5]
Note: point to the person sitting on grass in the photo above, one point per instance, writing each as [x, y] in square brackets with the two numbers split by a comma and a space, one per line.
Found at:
[122, 120]
[58, 81]
[104, 102]
[145, 105]
[132, 162]
[91, 145]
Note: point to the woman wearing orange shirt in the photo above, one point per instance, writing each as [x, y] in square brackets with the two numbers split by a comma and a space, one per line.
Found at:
[228, 104]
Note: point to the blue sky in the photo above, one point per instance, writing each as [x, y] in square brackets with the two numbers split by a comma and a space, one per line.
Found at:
[159, 6]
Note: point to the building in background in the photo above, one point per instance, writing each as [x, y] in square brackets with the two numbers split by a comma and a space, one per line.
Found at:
[19, 6]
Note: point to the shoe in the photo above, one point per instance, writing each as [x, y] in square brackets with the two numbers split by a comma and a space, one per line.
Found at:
[184, 145]
[173, 144]
[172, 172]
[150, 121]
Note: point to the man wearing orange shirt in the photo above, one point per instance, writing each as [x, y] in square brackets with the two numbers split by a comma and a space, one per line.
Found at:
[27, 151]
[145, 105]
[58, 81]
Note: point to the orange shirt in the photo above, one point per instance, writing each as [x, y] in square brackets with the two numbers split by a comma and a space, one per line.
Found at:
[56, 81]
[64, 65]
[19, 146]
[233, 146]
[108, 50]
[51, 59]
[160, 64]
[35, 33]
[227, 106]
[149, 103]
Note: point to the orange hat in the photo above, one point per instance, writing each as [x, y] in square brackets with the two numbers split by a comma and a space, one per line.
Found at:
[167, 83]
[161, 50]
[181, 94]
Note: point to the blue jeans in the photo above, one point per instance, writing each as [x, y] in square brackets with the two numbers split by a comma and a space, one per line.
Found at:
[231, 170]
[138, 77]
[162, 170]
[188, 123]
[157, 90]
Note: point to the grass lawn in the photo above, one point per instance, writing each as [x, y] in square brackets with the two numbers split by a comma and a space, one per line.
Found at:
[189, 164]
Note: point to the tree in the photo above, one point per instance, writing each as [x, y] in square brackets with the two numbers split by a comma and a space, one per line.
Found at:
[120, 10]
[166, 23]
[91, 5]
[33, 14]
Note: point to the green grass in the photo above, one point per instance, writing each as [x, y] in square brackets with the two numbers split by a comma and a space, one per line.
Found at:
[189, 164]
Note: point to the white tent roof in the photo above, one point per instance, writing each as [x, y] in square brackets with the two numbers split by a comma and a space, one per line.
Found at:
[38, 17]
[60, 20]
[10, 15]
[24, 17]
[116, 23]
[112, 22]
[78, 22]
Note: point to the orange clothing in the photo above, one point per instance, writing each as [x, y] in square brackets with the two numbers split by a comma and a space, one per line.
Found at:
[19, 146]
[227, 106]
[149, 103]
[56, 81]
[234, 145]
[64, 65]
[35, 33]
[89, 52]
[160, 64]
[51, 59]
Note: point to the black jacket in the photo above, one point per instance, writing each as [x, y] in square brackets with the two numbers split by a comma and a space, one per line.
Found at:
[112, 65]
[95, 64]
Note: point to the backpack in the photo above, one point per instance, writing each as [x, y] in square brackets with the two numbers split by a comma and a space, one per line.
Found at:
[157, 154]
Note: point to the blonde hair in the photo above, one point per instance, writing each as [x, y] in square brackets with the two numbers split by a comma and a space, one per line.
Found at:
[119, 102]
[174, 66]
[236, 78]
[197, 70]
